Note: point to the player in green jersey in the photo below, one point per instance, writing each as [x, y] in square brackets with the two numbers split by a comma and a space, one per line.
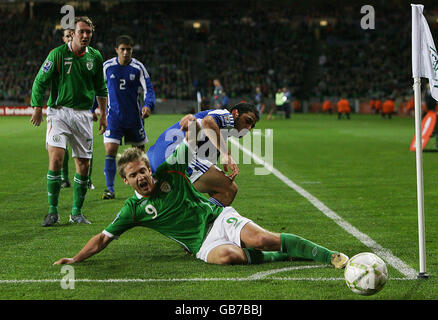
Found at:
[74, 74]
[167, 202]
[67, 36]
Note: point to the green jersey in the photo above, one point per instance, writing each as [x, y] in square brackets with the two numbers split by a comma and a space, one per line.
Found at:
[175, 208]
[74, 80]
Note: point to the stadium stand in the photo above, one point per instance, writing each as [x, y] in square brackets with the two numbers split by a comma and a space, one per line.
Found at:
[245, 44]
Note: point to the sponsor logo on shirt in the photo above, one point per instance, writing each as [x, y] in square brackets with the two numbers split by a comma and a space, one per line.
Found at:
[131, 77]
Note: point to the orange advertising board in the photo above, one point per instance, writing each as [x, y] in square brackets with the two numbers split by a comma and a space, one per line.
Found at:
[427, 126]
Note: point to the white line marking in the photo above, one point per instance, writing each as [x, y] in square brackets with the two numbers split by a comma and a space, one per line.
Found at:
[263, 274]
[30, 281]
[384, 253]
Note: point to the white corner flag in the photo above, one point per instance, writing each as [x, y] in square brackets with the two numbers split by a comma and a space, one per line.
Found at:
[424, 64]
[424, 54]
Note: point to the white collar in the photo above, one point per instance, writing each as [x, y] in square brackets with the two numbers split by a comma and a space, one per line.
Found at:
[69, 47]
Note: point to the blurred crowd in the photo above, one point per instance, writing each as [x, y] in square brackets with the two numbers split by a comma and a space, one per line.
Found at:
[267, 45]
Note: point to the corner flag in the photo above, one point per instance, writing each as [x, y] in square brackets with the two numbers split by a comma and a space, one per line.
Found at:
[424, 54]
[424, 64]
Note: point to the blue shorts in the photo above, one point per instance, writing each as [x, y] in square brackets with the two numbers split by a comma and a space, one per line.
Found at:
[135, 135]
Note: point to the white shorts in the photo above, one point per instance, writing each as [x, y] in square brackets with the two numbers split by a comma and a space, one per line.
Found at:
[197, 167]
[225, 230]
[72, 126]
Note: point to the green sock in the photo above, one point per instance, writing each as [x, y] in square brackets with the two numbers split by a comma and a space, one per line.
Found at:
[255, 256]
[53, 188]
[64, 171]
[298, 247]
[79, 191]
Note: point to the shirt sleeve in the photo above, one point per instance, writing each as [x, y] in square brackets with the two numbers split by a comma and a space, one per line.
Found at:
[43, 79]
[223, 118]
[123, 222]
[148, 88]
[99, 80]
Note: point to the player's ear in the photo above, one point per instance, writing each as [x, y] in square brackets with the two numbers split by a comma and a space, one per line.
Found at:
[235, 113]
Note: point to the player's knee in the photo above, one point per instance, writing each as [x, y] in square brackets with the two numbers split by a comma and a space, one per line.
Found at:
[229, 193]
[230, 255]
[265, 240]
[55, 162]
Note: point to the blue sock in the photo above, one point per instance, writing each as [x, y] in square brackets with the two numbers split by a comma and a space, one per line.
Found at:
[110, 172]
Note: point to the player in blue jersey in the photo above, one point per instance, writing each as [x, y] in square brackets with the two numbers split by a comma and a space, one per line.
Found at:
[204, 174]
[125, 76]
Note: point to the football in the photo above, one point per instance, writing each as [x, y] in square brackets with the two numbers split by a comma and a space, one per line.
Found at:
[366, 273]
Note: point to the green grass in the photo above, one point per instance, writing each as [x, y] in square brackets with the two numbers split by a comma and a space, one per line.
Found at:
[361, 169]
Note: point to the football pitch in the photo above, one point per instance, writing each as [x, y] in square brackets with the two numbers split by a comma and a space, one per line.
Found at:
[349, 185]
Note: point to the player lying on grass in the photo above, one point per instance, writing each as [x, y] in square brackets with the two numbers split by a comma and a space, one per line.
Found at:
[202, 171]
[168, 203]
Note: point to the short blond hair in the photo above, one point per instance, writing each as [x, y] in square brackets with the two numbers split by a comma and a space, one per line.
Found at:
[86, 20]
[131, 155]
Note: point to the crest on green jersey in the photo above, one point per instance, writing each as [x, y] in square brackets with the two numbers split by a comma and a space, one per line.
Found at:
[165, 187]
[90, 65]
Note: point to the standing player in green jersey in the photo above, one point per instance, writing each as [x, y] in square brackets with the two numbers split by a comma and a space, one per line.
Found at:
[74, 74]
[168, 203]
[67, 36]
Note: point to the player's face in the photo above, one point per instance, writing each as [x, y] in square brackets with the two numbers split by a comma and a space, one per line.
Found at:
[67, 36]
[245, 120]
[139, 177]
[82, 35]
[124, 53]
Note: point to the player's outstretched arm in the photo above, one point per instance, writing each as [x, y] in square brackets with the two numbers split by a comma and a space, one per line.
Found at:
[213, 133]
[95, 245]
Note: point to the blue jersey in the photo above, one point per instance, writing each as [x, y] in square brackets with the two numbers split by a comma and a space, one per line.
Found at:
[124, 84]
[170, 139]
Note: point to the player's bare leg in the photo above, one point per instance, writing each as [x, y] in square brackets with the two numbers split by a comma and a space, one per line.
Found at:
[217, 185]
[56, 157]
[227, 254]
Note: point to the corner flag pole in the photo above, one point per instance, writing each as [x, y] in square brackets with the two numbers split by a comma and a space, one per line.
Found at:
[420, 188]
[422, 66]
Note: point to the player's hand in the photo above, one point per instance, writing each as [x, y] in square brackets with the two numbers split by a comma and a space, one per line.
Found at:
[230, 164]
[64, 261]
[37, 116]
[185, 121]
[145, 112]
[102, 125]
[94, 115]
